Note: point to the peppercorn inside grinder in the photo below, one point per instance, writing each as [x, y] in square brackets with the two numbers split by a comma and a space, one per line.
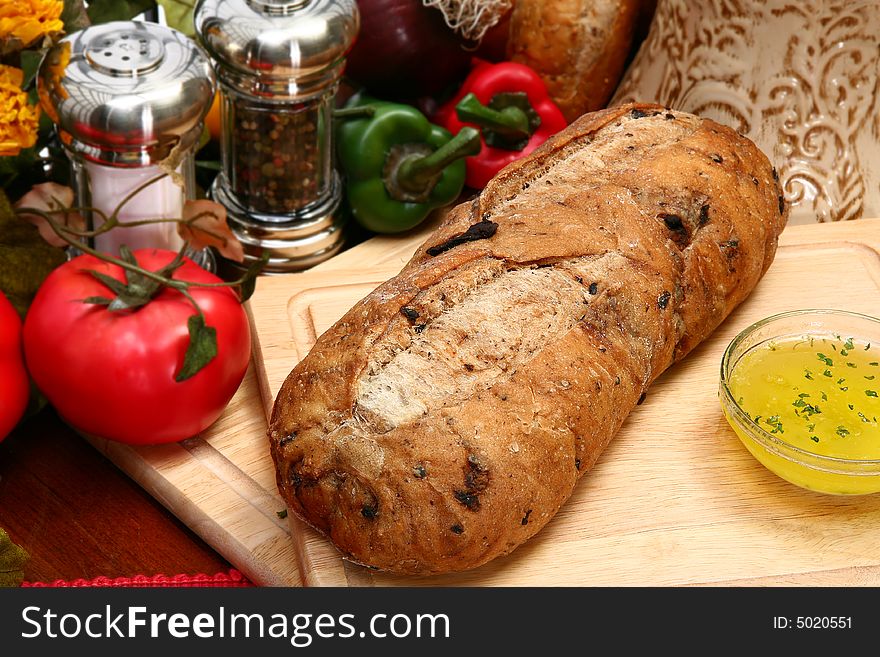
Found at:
[279, 63]
[128, 100]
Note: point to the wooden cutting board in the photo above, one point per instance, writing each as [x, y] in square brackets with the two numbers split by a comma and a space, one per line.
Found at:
[674, 500]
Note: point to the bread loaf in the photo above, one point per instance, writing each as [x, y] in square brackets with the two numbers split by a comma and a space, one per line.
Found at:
[448, 415]
[578, 47]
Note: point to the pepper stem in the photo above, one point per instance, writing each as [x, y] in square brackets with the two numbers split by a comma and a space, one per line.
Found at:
[511, 122]
[357, 112]
[417, 172]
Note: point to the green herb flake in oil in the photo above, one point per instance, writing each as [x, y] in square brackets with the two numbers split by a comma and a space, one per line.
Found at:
[774, 422]
[818, 410]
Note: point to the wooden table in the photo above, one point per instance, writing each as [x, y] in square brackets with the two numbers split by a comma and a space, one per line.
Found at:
[79, 516]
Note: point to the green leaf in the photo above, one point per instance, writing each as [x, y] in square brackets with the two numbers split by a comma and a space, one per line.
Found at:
[12, 561]
[201, 350]
[116, 286]
[133, 298]
[128, 297]
[141, 289]
[179, 15]
[126, 255]
[138, 289]
[99, 301]
[249, 280]
[30, 63]
[74, 16]
[104, 11]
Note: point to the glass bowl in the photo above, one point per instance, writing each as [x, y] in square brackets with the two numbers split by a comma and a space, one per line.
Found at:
[799, 390]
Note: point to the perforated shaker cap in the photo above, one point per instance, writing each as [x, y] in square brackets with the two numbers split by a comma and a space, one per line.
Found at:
[127, 92]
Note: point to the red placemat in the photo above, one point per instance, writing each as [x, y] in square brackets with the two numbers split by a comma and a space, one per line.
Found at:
[233, 578]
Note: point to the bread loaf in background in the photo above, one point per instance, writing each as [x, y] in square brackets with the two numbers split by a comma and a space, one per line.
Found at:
[578, 47]
[448, 415]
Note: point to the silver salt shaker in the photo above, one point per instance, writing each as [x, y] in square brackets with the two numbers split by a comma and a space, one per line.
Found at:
[128, 100]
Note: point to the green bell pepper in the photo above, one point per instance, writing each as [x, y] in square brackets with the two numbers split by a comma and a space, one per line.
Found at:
[398, 166]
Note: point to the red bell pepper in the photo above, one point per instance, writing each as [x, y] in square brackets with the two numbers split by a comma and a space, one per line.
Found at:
[510, 105]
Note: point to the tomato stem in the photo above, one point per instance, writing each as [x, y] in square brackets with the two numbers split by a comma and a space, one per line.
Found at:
[65, 234]
[141, 285]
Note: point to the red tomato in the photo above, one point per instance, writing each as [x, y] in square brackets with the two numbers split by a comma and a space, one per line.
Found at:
[14, 382]
[111, 373]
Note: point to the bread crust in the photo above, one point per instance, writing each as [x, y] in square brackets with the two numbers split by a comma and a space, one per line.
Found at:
[578, 47]
[448, 415]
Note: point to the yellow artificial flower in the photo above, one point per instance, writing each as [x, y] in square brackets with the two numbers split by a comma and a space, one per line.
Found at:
[18, 119]
[30, 20]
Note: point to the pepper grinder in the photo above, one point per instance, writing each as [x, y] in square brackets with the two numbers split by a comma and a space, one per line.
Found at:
[128, 100]
[278, 63]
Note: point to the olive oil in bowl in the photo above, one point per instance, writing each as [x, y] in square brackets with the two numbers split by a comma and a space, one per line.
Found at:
[807, 404]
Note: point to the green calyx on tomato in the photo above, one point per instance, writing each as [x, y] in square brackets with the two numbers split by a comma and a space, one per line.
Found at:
[139, 288]
[119, 374]
[140, 285]
[14, 380]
